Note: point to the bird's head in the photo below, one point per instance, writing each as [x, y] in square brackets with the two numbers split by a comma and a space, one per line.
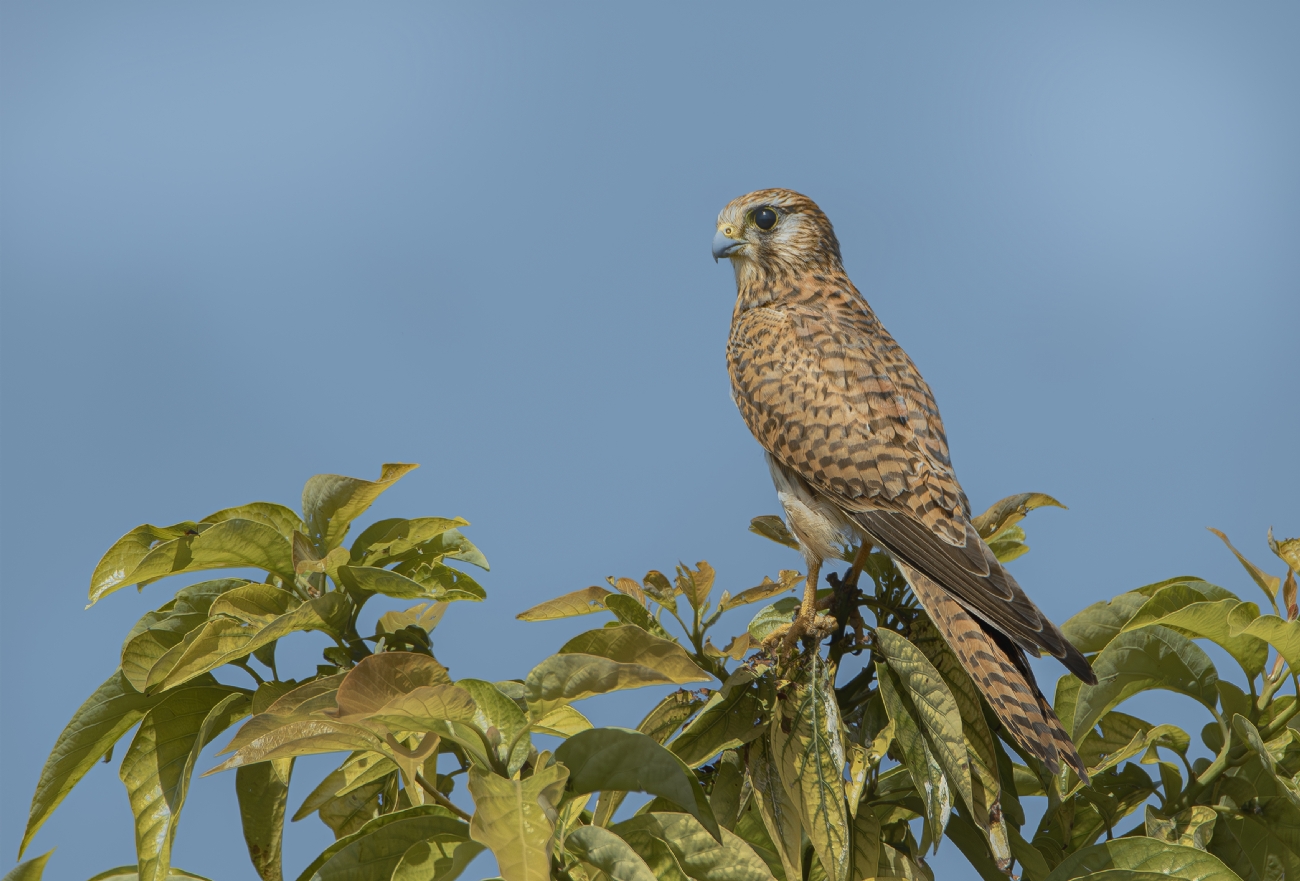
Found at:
[769, 232]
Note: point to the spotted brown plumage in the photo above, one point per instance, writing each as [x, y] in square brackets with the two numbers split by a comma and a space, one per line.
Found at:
[857, 451]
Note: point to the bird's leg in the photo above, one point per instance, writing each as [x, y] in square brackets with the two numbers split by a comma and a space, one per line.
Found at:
[807, 625]
[843, 603]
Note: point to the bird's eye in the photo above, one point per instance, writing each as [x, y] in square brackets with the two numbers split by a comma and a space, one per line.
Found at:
[765, 218]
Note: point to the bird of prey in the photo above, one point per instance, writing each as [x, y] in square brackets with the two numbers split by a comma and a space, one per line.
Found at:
[857, 451]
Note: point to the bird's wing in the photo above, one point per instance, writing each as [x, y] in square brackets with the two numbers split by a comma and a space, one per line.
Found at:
[837, 401]
[998, 668]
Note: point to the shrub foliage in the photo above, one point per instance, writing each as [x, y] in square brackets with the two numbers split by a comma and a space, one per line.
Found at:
[757, 769]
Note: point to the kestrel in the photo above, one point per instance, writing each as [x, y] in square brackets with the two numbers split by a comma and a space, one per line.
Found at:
[857, 451]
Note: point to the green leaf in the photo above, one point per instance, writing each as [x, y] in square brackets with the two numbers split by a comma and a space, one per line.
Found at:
[245, 619]
[373, 852]
[932, 705]
[1153, 657]
[810, 759]
[1183, 608]
[1092, 629]
[1009, 511]
[659, 725]
[32, 870]
[98, 723]
[580, 602]
[1143, 855]
[927, 774]
[629, 761]
[516, 819]
[695, 852]
[229, 544]
[733, 716]
[160, 761]
[609, 853]
[779, 811]
[331, 502]
[263, 791]
[773, 528]
[1267, 583]
[440, 858]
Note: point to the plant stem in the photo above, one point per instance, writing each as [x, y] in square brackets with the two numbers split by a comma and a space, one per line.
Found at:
[440, 798]
[244, 665]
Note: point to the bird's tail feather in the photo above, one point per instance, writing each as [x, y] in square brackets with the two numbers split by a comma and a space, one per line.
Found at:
[999, 669]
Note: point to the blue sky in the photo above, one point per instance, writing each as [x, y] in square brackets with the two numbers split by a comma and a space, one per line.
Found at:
[243, 244]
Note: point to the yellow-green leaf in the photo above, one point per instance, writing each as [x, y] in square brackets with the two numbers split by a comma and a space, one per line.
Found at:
[278, 517]
[330, 502]
[378, 679]
[437, 858]
[1267, 583]
[243, 620]
[779, 811]
[160, 761]
[263, 792]
[579, 602]
[131, 873]
[98, 723]
[695, 853]
[1282, 635]
[424, 707]
[1009, 511]
[562, 722]
[1143, 855]
[160, 631]
[516, 819]
[787, 579]
[918, 757]
[1092, 628]
[810, 760]
[32, 870]
[695, 584]
[1133, 662]
[733, 716]
[773, 528]
[1194, 827]
[373, 852]
[1184, 608]
[932, 705]
[229, 544]
[609, 853]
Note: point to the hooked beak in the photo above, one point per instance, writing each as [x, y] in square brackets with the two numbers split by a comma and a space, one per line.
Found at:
[724, 246]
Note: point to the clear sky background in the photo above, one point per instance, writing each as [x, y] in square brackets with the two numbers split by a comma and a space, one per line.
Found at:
[246, 243]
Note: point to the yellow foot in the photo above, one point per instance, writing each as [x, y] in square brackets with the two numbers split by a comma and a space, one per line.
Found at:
[785, 639]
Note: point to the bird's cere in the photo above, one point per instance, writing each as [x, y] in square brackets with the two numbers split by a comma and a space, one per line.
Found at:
[724, 245]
